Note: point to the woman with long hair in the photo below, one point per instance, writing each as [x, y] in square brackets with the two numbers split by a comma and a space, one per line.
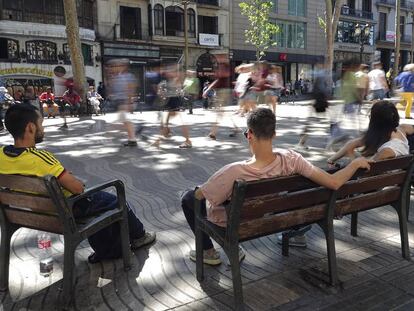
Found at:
[385, 137]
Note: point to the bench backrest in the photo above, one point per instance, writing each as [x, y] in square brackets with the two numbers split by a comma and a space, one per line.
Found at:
[33, 202]
[272, 205]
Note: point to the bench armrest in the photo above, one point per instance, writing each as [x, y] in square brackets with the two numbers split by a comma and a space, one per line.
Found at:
[119, 186]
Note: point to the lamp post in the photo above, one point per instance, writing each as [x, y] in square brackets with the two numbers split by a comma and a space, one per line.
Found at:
[362, 33]
[185, 3]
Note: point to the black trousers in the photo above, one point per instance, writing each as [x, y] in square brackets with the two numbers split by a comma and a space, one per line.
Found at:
[187, 204]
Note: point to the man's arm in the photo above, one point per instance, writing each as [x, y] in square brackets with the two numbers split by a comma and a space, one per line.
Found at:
[335, 181]
[71, 183]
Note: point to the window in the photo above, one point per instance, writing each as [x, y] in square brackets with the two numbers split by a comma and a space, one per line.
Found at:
[9, 49]
[130, 22]
[47, 11]
[41, 51]
[346, 33]
[208, 24]
[191, 23]
[174, 18]
[297, 7]
[382, 25]
[159, 20]
[291, 35]
[402, 26]
[274, 8]
[86, 53]
[351, 4]
[367, 5]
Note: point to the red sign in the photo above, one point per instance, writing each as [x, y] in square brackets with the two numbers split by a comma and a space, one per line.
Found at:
[283, 57]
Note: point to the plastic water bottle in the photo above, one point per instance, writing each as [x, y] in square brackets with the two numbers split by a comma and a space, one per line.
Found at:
[44, 243]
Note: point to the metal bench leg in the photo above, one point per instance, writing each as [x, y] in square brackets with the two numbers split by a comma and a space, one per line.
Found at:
[199, 253]
[354, 224]
[402, 217]
[125, 243]
[68, 274]
[6, 235]
[330, 244]
[237, 281]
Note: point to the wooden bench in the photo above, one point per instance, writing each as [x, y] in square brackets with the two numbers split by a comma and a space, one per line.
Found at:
[38, 203]
[263, 207]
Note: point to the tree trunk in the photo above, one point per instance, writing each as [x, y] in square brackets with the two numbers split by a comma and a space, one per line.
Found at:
[331, 18]
[397, 37]
[72, 33]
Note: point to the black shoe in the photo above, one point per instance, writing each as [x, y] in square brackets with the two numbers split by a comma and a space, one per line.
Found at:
[93, 258]
[130, 143]
[64, 127]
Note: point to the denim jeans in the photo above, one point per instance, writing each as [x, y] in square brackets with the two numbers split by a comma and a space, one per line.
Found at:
[378, 94]
[187, 204]
[107, 242]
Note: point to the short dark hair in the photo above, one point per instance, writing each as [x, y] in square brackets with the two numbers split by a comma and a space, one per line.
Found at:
[18, 116]
[262, 122]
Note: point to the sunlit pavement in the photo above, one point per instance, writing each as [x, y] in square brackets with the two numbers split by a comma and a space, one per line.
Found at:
[163, 277]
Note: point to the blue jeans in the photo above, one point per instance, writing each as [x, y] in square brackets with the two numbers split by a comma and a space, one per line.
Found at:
[378, 94]
[107, 242]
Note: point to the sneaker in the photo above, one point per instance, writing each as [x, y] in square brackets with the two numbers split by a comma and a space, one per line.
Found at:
[148, 238]
[298, 240]
[242, 255]
[212, 260]
[130, 143]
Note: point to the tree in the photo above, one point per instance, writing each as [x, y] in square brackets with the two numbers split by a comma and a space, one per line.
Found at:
[76, 56]
[261, 31]
[330, 24]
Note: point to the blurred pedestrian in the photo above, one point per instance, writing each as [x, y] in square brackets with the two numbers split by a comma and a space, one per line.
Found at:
[275, 85]
[191, 89]
[242, 84]
[377, 82]
[362, 82]
[405, 80]
[122, 88]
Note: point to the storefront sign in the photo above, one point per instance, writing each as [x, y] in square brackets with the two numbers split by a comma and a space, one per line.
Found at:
[26, 71]
[390, 36]
[209, 39]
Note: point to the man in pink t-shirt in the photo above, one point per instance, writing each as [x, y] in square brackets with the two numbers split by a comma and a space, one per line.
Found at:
[265, 163]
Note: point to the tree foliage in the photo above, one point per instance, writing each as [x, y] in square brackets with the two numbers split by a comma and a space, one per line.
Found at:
[261, 31]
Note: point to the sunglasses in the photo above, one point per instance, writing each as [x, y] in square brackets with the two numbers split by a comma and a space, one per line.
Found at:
[246, 132]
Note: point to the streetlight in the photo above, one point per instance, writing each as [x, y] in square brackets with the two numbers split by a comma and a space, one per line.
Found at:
[185, 3]
[362, 33]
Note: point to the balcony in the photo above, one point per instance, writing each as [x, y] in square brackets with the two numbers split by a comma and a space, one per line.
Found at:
[208, 2]
[408, 5]
[404, 38]
[347, 11]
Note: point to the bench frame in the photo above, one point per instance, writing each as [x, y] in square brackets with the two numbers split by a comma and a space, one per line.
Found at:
[57, 217]
[336, 203]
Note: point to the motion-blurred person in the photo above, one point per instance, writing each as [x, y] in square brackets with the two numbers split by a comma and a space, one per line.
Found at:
[101, 90]
[122, 88]
[72, 101]
[405, 80]
[275, 85]
[349, 90]
[377, 82]
[362, 82]
[223, 96]
[210, 95]
[47, 99]
[191, 88]
[94, 99]
[153, 79]
[242, 84]
[171, 90]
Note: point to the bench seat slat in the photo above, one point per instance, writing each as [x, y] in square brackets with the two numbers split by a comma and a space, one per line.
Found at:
[24, 183]
[28, 201]
[33, 220]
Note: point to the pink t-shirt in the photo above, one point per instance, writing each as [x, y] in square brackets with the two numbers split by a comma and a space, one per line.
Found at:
[218, 187]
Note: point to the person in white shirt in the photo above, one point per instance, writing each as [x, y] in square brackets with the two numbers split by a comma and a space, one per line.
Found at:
[94, 99]
[275, 84]
[377, 82]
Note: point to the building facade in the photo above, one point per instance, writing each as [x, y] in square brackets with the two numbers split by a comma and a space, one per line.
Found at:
[152, 32]
[300, 42]
[33, 49]
[348, 45]
[385, 32]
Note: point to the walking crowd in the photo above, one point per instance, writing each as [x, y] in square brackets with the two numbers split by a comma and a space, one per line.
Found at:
[256, 84]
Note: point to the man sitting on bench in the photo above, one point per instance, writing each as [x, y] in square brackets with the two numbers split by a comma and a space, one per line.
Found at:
[24, 123]
[265, 163]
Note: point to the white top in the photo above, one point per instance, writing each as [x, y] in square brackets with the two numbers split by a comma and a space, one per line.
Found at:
[399, 146]
[275, 80]
[242, 82]
[376, 78]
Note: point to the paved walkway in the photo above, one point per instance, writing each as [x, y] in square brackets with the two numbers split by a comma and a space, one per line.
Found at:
[373, 274]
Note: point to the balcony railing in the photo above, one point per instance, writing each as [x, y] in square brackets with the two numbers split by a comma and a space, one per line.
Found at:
[356, 13]
[404, 4]
[208, 2]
